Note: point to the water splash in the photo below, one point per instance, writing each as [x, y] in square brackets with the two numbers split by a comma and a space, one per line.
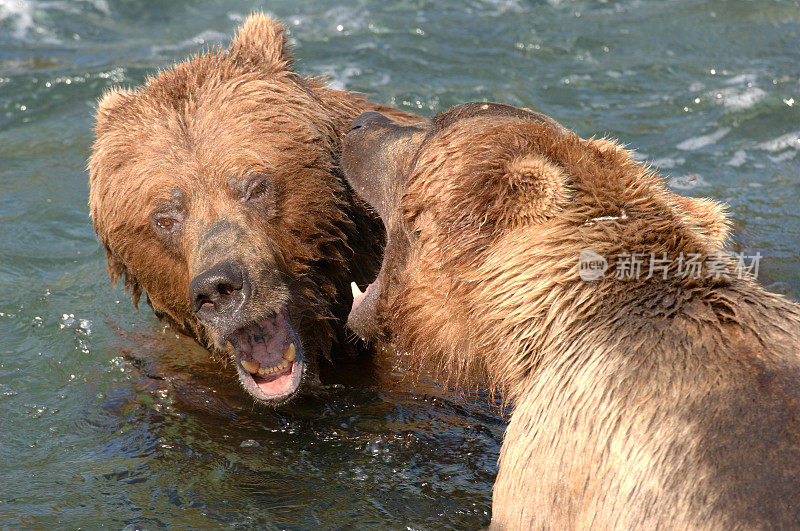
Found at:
[698, 142]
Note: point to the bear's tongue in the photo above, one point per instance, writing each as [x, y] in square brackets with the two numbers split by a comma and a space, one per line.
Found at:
[267, 350]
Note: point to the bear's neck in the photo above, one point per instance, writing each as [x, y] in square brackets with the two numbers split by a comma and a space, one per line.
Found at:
[617, 325]
[566, 323]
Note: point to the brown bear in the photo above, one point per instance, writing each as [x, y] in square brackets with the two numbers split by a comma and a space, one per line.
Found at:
[215, 190]
[666, 400]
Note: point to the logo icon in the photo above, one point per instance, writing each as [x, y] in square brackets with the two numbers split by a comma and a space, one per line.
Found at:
[591, 265]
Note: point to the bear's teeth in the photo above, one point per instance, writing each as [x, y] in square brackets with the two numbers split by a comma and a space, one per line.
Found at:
[263, 371]
[250, 366]
[356, 291]
[290, 352]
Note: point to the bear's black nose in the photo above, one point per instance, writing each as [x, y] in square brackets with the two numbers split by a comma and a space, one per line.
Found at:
[366, 118]
[218, 292]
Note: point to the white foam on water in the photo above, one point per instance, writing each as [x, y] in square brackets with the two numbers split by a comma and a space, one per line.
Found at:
[506, 6]
[789, 155]
[20, 12]
[102, 6]
[576, 78]
[668, 162]
[741, 79]
[698, 142]
[789, 140]
[739, 158]
[339, 76]
[369, 45]
[741, 92]
[738, 99]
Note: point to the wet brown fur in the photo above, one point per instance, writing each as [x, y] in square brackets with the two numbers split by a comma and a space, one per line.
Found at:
[650, 403]
[205, 123]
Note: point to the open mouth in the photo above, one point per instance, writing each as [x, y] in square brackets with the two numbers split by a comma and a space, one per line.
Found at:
[269, 358]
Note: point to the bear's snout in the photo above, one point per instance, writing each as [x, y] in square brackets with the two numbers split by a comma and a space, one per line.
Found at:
[367, 118]
[219, 293]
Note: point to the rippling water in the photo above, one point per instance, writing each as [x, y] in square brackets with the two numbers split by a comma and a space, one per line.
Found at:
[107, 420]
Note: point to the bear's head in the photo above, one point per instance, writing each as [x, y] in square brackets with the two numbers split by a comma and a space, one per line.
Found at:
[487, 210]
[214, 189]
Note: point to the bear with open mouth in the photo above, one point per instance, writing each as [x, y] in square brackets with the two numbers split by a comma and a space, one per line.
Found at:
[215, 190]
[666, 397]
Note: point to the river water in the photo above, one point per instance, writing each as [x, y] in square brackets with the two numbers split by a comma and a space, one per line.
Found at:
[108, 420]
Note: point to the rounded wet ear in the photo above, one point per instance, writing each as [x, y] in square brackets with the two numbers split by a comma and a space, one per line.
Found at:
[534, 190]
[112, 99]
[707, 218]
[609, 145]
[261, 44]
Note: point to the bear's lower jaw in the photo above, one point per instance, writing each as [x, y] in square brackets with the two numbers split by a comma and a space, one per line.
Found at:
[273, 389]
[269, 358]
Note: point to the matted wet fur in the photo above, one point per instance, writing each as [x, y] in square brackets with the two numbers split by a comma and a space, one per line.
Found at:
[215, 190]
[659, 402]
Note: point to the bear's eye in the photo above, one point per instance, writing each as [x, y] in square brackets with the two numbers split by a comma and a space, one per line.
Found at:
[165, 222]
[259, 187]
[167, 225]
[257, 190]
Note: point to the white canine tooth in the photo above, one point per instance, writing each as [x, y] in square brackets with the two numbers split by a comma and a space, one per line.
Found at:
[356, 291]
[290, 352]
[250, 366]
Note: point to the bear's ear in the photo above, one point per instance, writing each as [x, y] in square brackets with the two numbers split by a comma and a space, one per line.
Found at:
[609, 145]
[706, 217]
[534, 190]
[261, 43]
[113, 98]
